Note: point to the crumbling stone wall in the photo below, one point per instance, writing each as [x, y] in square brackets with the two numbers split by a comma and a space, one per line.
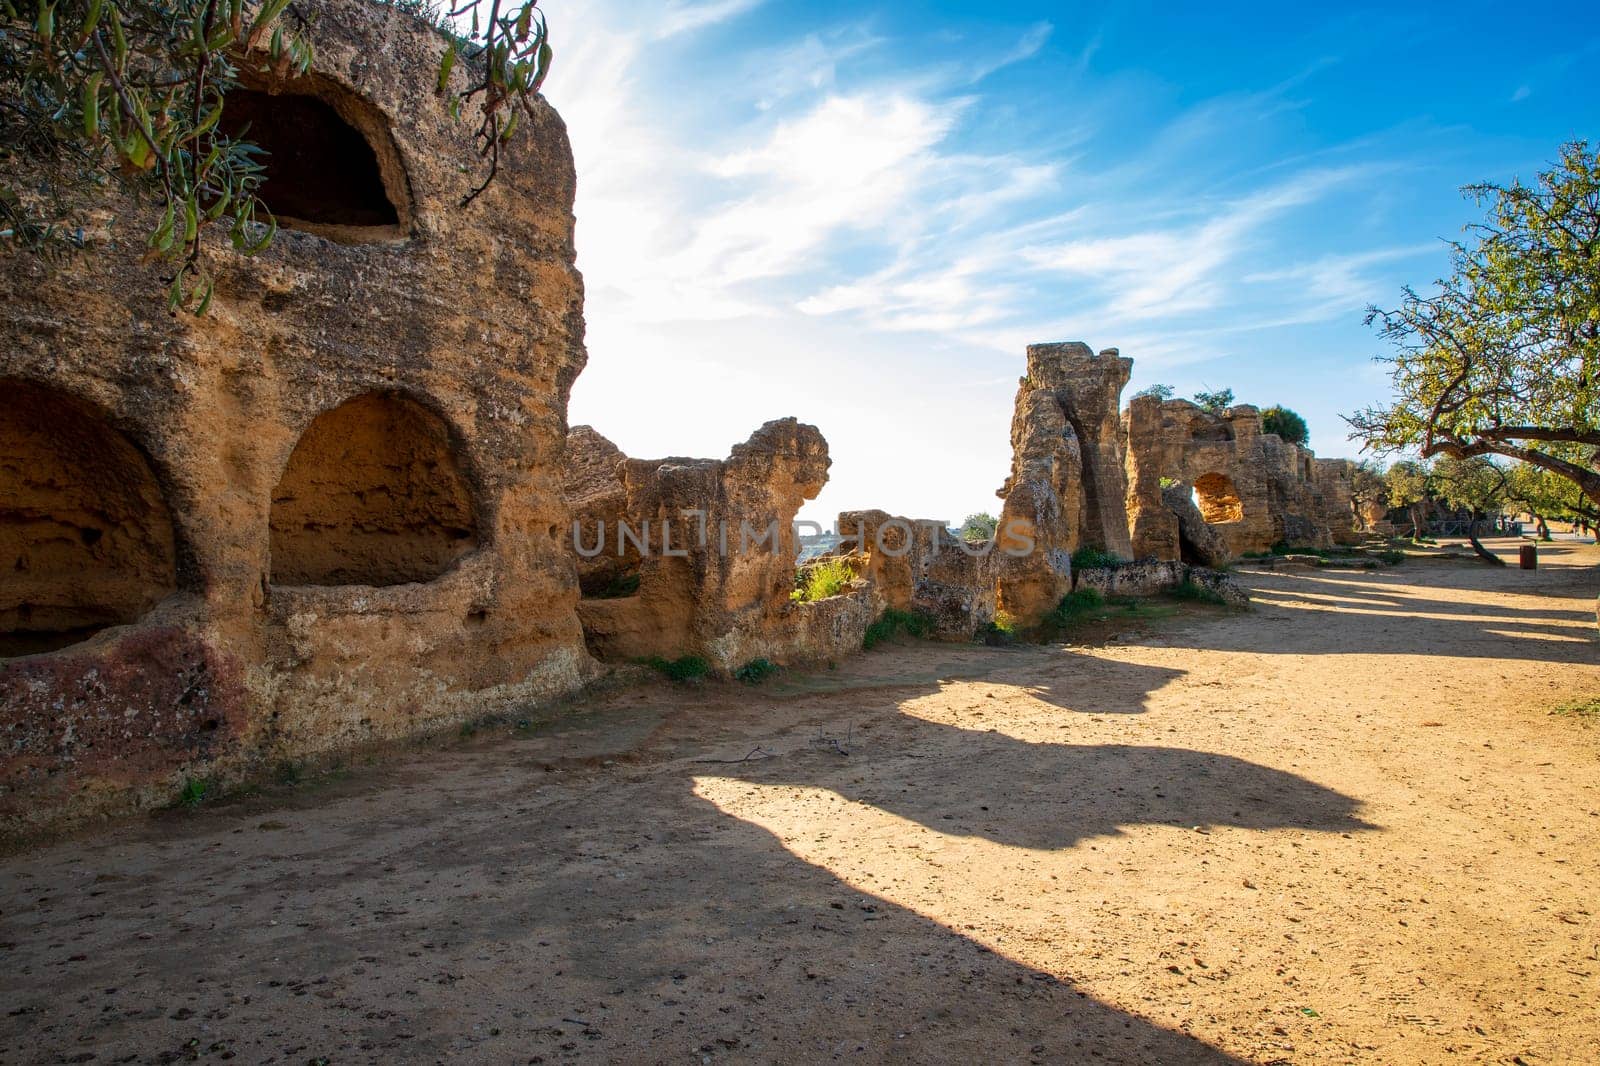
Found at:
[713, 546]
[919, 566]
[1252, 489]
[1333, 486]
[1068, 482]
[444, 340]
[607, 564]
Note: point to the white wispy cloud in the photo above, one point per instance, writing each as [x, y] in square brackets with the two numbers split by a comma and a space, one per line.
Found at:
[1336, 284]
[817, 205]
[679, 17]
[1165, 272]
[809, 65]
[1027, 46]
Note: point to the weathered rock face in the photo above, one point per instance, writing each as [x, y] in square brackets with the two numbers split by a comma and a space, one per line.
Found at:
[1152, 526]
[330, 510]
[1198, 541]
[918, 565]
[1333, 483]
[1068, 483]
[1250, 487]
[716, 553]
[1151, 577]
[608, 565]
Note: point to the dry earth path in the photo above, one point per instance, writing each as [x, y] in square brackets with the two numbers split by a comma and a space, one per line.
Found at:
[1340, 828]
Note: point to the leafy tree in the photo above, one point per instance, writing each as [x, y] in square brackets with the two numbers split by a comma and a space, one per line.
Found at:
[1548, 496]
[96, 93]
[1476, 484]
[1504, 358]
[1288, 426]
[1160, 392]
[1368, 494]
[1406, 485]
[1215, 402]
[979, 527]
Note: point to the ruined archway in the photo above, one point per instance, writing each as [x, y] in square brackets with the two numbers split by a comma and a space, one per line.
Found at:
[86, 538]
[1218, 499]
[373, 495]
[331, 165]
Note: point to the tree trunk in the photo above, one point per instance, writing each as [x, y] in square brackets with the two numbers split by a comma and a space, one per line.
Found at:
[1484, 553]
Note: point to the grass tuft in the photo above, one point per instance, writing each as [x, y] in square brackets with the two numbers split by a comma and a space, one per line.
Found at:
[1088, 558]
[1076, 603]
[196, 790]
[1587, 710]
[684, 669]
[892, 623]
[756, 671]
[820, 580]
[1001, 631]
[1190, 592]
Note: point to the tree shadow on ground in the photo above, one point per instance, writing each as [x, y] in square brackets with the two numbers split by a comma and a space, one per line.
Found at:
[1406, 623]
[486, 907]
[1053, 795]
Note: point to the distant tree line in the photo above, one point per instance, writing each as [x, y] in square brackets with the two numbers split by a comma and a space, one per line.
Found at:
[1478, 486]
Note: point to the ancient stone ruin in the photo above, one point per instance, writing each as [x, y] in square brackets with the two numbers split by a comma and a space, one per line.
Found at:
[919, 566]
[327, 512]
[1162, 481]
[1248, 489]
[1067, 485]
[344, 507]
[696, 557]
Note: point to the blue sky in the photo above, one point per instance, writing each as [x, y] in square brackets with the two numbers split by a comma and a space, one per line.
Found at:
[860, 215]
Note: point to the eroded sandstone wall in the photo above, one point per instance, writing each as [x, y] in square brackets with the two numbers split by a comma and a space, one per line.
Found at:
[920, 566]
[448, 336]
[1068, 483]
[712, 545]
[1251, 489]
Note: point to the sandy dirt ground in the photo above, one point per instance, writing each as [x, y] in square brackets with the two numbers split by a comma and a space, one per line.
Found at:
[1343, 827]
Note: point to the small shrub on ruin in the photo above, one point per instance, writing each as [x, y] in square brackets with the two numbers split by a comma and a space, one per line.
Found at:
[820, 580]
[756, 671]
[893, 623]
[196, 790]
